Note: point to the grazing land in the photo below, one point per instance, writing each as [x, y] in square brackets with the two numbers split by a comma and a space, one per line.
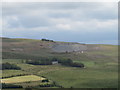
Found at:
[19, 79]
[100, 64]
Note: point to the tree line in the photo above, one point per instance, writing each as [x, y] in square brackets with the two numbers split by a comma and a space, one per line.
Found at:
[48, 61]
[38, 60]
[9, 66]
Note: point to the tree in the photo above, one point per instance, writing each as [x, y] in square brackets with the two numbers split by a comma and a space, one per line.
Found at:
[9, 66]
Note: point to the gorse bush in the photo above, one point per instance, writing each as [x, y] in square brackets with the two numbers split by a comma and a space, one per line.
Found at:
[39, 62]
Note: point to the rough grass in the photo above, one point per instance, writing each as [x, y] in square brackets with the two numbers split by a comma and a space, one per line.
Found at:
[93, 76]
[101, 62]
[19, 79]
[10, 73]
[84, 78]
[12, 60]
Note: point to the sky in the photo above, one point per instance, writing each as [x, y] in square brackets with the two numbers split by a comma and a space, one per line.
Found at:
[84, 22]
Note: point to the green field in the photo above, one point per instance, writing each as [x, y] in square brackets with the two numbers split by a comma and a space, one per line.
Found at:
[94, 75]
[101, 65]
[20, 79]
[84, 78]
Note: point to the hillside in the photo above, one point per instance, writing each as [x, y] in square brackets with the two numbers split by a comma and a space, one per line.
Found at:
[58, 49]
[101, 62]
[29, 44]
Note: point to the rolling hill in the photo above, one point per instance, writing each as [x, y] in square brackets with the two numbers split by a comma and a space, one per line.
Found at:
[101, 62]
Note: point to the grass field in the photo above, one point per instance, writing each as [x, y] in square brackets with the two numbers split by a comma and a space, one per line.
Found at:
[84, 78]
[7, 73]
[101, 62]
[19, 79]
[97, 76]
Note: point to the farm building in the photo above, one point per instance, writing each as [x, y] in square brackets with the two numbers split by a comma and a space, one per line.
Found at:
[54, 62]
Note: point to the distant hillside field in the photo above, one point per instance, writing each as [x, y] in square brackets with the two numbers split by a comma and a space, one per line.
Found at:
[22, 79]
[100, 63]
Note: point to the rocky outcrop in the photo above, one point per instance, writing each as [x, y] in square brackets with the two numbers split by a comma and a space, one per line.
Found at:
[69, 47]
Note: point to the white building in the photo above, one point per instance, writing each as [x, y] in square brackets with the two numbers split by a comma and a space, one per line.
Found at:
[54, 62]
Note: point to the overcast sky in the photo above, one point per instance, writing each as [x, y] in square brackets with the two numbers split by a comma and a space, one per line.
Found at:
[73, 22]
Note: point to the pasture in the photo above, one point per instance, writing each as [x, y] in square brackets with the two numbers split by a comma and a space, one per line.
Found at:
[84, 78]
[95, 75]
[19, 79]
[101, 62]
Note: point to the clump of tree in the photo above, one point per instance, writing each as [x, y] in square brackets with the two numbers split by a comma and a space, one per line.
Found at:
[77, 65]
[9, 66]
[69, 62]
[47, 40]
[39, 62]
[66, 62]
[46, 85]
[48, 61]
[45, 80]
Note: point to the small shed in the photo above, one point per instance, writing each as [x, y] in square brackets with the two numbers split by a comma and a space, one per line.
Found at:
[54, 62]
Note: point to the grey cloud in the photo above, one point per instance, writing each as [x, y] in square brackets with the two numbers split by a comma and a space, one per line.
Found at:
[60, 15]
[30, 22]
[33, 15]
[89, 10]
